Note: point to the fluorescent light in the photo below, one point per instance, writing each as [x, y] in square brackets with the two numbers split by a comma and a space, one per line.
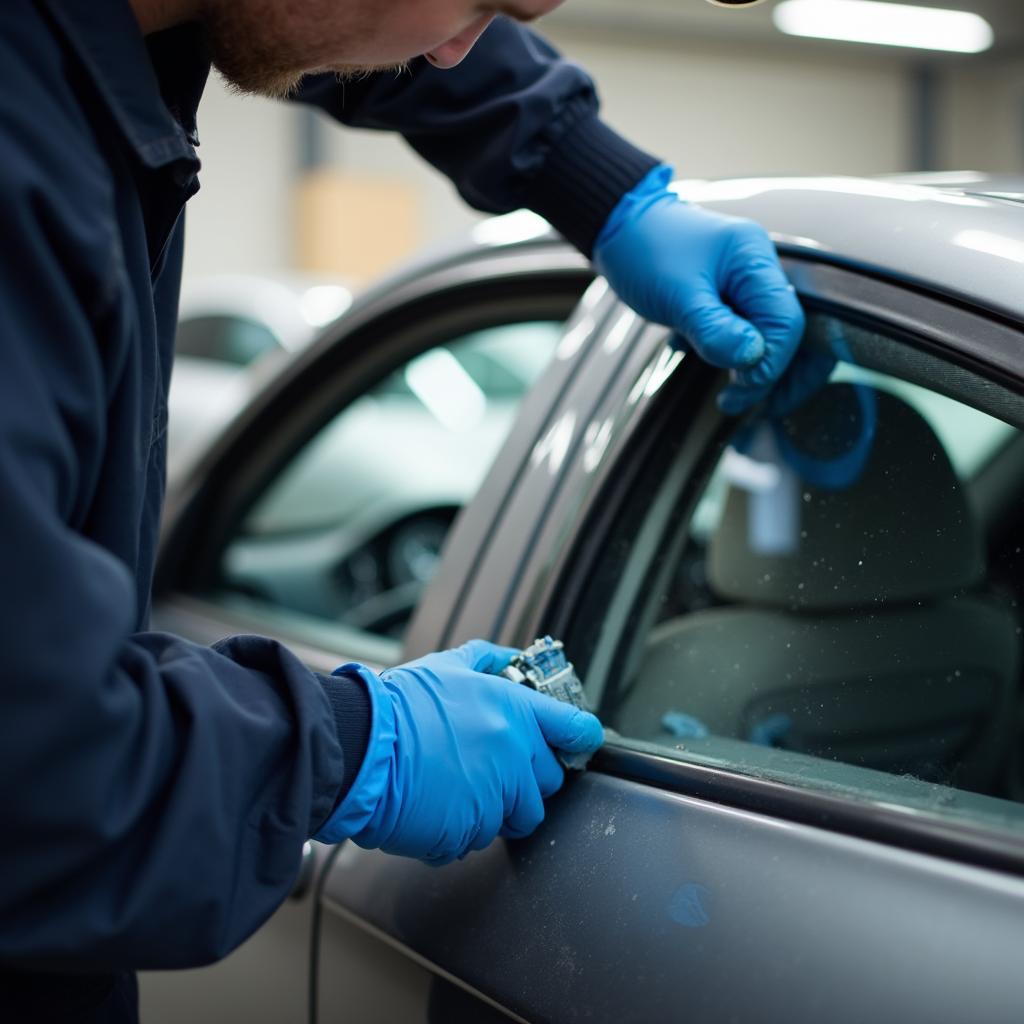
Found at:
[868, 21]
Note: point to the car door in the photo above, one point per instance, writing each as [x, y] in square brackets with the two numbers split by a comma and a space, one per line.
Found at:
[804, 635]
[318, 517]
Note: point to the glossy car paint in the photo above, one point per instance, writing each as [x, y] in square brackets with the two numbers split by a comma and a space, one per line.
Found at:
[634, 905]
[958, 241]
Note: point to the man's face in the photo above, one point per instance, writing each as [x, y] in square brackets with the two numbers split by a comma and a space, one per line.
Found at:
[266, 46]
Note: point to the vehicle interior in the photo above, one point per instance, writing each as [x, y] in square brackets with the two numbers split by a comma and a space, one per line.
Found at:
[843, 586]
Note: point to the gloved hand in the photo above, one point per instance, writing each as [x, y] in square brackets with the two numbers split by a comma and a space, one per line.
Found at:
[457, 755]
[701, 273]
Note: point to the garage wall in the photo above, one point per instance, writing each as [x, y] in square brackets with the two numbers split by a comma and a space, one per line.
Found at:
[985, 126]
[715, 110]
[711, 108]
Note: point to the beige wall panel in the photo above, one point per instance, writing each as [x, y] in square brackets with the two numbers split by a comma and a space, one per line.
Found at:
[355, 227]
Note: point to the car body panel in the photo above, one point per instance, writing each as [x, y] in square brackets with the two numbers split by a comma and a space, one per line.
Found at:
[967, 245]
[632, 904]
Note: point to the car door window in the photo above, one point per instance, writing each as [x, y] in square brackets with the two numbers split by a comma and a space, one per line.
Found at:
[349, 534]
[836, 602]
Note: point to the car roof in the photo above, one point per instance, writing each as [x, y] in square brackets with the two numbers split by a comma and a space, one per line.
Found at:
[292, 305]
[958, 234]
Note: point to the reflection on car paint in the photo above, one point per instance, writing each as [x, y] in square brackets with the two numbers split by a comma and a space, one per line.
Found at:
[553, 447]
[620, 330]
[655, 374]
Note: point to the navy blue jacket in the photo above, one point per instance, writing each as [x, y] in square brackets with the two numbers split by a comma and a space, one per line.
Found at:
[155, 794]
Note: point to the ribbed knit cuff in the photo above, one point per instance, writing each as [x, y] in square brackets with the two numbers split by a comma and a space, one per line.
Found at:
[583, 179]
[351, 705]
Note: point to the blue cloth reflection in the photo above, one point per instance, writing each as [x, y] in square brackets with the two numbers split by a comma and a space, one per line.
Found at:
[824, 434]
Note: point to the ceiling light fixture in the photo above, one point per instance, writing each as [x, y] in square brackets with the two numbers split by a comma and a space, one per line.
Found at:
[885, 24]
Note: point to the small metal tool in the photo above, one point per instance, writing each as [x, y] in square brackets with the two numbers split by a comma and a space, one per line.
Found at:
[543, 667]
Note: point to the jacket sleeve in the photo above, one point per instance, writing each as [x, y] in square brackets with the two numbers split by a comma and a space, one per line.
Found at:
[154, 794]
[514, 125]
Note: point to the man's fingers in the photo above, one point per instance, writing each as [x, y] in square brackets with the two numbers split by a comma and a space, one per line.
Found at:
[750, 385]
[565, 727]
[525, 816]
[755, 286]
[483, 656]
[528, 811]
[720, 337]
[490, 825]
[548, 772]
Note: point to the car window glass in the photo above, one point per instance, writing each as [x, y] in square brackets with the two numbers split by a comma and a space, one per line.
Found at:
[838, 603]
[350, 533]
[224, 339]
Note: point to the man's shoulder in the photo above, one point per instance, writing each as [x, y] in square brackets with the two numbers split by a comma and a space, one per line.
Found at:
[46, 133]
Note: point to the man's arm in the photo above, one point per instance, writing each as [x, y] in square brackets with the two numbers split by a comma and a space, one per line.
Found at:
[514, 125]
[154, 794]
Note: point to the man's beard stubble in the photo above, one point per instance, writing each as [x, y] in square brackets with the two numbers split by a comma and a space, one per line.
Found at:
[246, 43]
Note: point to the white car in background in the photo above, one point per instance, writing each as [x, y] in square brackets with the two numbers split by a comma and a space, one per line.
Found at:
[233, 331]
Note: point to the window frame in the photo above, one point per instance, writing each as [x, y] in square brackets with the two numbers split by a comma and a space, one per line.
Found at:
[393, 324]
[988, 344]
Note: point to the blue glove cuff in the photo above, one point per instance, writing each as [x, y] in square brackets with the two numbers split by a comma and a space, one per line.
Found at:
[355, 812]
[649, 190]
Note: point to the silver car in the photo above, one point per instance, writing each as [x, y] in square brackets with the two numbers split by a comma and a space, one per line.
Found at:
[802, 628]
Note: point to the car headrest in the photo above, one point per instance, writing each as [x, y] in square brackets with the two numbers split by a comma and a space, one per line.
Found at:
[899, 531]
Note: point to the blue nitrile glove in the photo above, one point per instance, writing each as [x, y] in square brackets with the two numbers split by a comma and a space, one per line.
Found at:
[715, 280]
[457, 755]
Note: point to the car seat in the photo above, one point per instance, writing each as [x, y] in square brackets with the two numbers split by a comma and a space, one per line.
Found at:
[873, 639]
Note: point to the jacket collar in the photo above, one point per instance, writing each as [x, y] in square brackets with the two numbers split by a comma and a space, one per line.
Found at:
[152, 86]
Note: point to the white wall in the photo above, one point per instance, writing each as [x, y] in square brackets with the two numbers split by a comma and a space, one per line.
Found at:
[711, 108]
[715, 110]
[240, 220]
